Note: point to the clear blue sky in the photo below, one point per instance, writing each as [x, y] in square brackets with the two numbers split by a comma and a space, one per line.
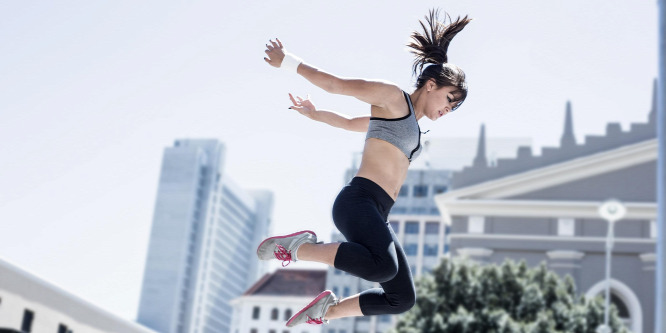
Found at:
[91, 93]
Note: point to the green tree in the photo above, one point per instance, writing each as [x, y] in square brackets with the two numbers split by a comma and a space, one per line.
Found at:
[464, 297]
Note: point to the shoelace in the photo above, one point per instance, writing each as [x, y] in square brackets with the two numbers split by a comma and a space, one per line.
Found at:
[282, 254]
[315, 321]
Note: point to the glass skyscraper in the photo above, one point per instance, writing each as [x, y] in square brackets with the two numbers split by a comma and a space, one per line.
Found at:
[204, 230]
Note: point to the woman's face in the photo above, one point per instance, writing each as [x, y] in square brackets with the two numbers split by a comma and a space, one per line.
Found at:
[439, 101]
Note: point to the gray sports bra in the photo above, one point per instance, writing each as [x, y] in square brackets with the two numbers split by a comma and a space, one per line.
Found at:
[403, 132]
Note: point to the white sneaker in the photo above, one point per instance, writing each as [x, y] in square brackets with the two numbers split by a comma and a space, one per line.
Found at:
[284, 247]
[314, 312]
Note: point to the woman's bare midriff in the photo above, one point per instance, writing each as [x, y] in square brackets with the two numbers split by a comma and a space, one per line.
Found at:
[384, 164]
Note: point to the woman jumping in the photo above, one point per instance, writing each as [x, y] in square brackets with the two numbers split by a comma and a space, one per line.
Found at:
[360, 211]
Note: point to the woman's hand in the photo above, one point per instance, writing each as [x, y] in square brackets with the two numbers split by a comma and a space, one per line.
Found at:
[275, 53]
[303, 106]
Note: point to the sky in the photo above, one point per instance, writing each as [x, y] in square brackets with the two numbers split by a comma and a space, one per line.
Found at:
[91, 92]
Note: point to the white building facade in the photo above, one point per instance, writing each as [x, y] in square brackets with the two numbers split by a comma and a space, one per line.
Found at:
[202, 222]
[30, 304]
[272, 301]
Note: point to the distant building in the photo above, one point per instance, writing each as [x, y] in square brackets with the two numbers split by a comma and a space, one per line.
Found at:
[203, 223]
[452, 153]
[30, 304]
[544, 208]
[270, 302]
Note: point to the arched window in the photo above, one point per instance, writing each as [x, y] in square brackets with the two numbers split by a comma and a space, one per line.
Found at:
[622, 310]
[287, 314]
[624, 299]
[274, 314]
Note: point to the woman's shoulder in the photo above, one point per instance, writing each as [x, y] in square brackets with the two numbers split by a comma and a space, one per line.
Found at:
[393, 95]
[394, 103]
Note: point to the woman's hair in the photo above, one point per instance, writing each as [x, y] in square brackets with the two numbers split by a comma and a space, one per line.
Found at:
[430, 48]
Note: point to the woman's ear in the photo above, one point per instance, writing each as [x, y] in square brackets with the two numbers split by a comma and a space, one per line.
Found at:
[431, 85]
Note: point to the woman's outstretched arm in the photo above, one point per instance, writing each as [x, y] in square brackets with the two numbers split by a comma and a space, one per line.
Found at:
[307, 108]
[373, 92]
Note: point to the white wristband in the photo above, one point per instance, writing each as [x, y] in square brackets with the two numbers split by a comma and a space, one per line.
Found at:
[290, 62]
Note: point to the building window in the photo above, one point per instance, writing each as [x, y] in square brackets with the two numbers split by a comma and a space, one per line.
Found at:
[256, 311]
[653, 229]
[411, 227]
[440, 189]
[272, 331]
[395, 225]
[28, 316]
[411, 249]
[335, 291]
[404, 191]
[287, 314]
[566, 227]
[274, 314]
[62, 328]
[476, 225]
[430, 250]
[399, 210]
[385, 318]
[622, 310]
[420, 191]
[432, 228]
[254, 330]
[345, 292]
[419, 210]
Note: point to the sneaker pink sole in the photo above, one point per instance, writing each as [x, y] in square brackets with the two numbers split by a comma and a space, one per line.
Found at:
[285, 236]
[320, 296]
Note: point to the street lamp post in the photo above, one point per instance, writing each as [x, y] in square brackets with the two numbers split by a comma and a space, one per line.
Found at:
[611, 211]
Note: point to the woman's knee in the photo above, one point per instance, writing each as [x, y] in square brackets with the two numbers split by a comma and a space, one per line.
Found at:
[383, 272]
[387, 265]
[409, 302]
[404, 302]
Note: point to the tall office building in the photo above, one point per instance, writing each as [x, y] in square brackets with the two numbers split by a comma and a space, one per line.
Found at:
[202, 224]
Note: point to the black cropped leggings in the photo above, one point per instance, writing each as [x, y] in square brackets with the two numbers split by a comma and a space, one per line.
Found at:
[372, 251]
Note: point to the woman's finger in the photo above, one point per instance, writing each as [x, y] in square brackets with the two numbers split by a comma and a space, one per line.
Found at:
[292, 99]
[274, 43]
[279, 42]
[299, 98]
[269, 47]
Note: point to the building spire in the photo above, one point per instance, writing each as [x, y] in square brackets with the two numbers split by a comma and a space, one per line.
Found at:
[568, 138]
[653, 113]
[480, 159]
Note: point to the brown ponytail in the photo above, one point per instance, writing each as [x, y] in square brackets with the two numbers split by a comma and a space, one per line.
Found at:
[431, 46]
